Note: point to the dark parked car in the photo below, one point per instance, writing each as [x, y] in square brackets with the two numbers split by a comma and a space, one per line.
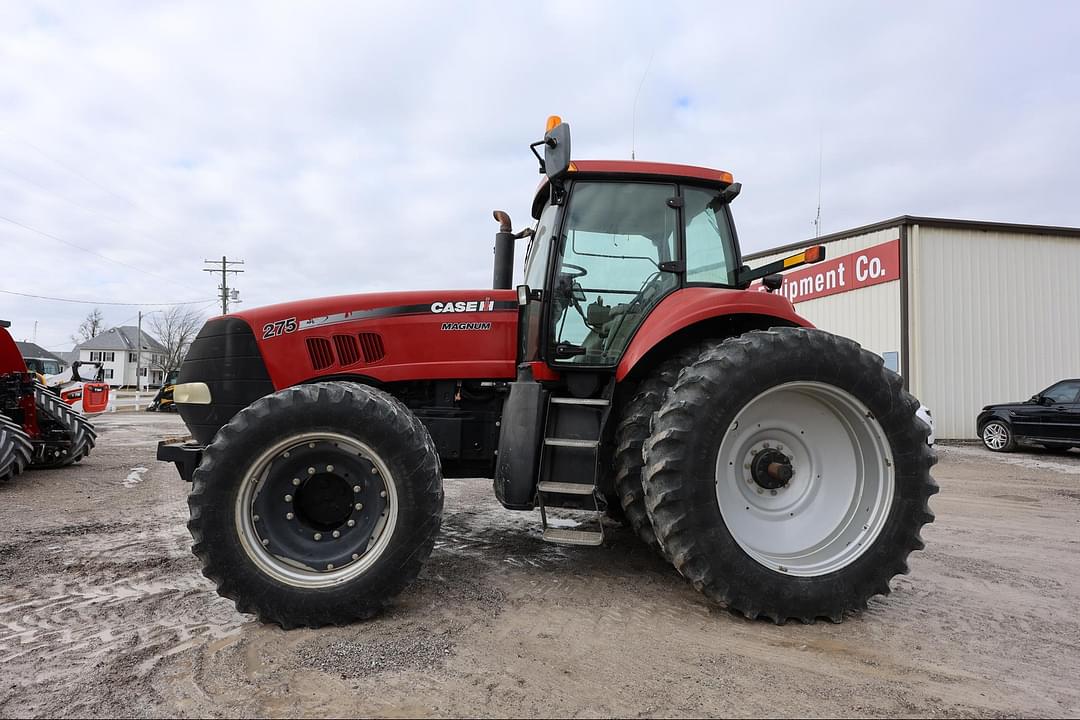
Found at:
[1050, 418]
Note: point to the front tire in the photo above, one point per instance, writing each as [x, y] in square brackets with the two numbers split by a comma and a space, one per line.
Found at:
[788, 476]
[317, 505]
[997, 436]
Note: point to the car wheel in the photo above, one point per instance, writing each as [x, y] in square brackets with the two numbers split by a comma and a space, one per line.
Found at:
[997, 436]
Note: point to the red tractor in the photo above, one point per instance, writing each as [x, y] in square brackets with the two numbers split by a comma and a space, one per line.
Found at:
[781, 469]
[38, 428]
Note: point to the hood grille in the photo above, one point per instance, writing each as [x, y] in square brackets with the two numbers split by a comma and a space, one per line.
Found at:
[322, 356]
[371, 343]
[345, 350]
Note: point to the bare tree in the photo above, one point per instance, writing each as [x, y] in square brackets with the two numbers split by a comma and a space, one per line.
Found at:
[175, 328]
[90, 327]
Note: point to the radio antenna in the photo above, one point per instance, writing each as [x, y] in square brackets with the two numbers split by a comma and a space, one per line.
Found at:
[817, 219]
[633, 130]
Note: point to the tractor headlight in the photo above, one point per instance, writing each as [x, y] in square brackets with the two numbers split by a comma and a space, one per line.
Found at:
[196, 393]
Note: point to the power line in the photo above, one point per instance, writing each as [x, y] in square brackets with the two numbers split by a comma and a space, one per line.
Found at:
[96, 302]
[80, 247]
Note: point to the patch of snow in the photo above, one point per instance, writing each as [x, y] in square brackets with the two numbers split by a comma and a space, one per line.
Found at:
[134, 477]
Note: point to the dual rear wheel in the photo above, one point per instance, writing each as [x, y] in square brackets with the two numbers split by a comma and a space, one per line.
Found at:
[784, 473]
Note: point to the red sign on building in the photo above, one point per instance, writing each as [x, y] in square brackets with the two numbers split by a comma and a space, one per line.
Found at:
[872, 266]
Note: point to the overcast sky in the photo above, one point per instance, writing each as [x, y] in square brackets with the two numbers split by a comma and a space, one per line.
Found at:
[348, 147]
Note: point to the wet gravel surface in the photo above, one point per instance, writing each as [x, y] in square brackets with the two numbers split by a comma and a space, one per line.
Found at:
[103, 612]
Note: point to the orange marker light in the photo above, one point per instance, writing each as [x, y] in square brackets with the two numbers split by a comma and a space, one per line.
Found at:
[815, 254]
[553, 122]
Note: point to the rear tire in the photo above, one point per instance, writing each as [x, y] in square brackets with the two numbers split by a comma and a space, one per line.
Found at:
[630, 436]
[272, 505]
[16, 449]
[832, 533]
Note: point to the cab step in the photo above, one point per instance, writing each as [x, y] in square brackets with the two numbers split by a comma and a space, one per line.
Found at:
[565, 488]
[564, 536]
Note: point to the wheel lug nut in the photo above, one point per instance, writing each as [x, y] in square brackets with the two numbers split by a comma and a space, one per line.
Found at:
[760, 491]
[351, 522]
[773, 492]
[265, 543]
[285, 454]
[382, 493]
[255, 518]
[288, 498]
[311, 444]
[318, 536]
[359, 506]
[296, 481]
[374, 471]
[355, 556]
[337, 534]
[356, 488]
[311, 471]
[329, 468]
[329, 566]
[289, 516]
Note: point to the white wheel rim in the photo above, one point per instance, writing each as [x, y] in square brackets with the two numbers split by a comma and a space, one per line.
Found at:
[841, 489]
[284, 569]
[995, 436]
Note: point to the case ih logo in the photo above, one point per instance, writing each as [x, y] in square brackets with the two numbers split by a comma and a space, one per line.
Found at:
[484, 305]
[872, 266]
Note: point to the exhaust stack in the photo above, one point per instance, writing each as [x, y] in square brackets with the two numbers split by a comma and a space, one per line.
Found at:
[504, 253]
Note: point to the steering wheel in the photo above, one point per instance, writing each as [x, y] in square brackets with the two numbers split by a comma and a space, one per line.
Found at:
[581, 272]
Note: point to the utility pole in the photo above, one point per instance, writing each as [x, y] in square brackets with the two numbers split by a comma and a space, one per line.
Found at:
[138, 358]
[224, 270]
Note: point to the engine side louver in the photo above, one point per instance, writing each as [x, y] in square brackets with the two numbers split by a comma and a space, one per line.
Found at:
[348, 352]
[372, 346]
[322, 355]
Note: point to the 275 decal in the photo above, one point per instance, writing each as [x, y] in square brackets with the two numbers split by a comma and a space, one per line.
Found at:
[280, 327]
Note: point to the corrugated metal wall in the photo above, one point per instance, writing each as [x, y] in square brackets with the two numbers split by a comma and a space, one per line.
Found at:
[996, 318]
[870, 316]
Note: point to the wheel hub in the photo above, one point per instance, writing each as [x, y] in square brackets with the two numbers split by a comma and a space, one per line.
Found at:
[324, 501]
[771, 469]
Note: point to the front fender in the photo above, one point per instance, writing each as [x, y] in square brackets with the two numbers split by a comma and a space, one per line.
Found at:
[688, 307]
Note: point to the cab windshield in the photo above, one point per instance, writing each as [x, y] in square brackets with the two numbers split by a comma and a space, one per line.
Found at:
[620, 255]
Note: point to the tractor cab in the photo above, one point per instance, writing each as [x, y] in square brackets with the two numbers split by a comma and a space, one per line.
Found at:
[615, 246]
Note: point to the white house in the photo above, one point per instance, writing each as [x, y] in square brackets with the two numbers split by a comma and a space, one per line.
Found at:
[118, 353]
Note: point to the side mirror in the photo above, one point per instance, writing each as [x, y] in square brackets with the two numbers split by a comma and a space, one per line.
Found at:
[773, 282]
[1045, 401]
[557, 152]
[577, 292]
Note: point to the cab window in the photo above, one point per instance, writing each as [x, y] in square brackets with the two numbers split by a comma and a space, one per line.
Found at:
[615, 238]
[710, 256]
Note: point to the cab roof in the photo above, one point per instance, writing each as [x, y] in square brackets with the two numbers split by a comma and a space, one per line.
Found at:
[634, 169]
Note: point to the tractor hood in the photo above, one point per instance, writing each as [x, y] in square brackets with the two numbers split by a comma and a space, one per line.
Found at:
[416, 335]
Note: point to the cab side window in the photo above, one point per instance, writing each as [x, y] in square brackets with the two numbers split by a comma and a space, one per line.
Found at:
[710, 256]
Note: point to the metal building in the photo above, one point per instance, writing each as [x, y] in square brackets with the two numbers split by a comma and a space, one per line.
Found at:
[970, 313]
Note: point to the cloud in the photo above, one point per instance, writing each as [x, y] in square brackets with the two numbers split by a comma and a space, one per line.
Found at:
[345, 147]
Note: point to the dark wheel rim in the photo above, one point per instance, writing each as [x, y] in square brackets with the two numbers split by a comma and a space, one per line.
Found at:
[316, 510]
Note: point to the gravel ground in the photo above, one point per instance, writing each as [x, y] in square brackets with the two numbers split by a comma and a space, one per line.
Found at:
[103, 612]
